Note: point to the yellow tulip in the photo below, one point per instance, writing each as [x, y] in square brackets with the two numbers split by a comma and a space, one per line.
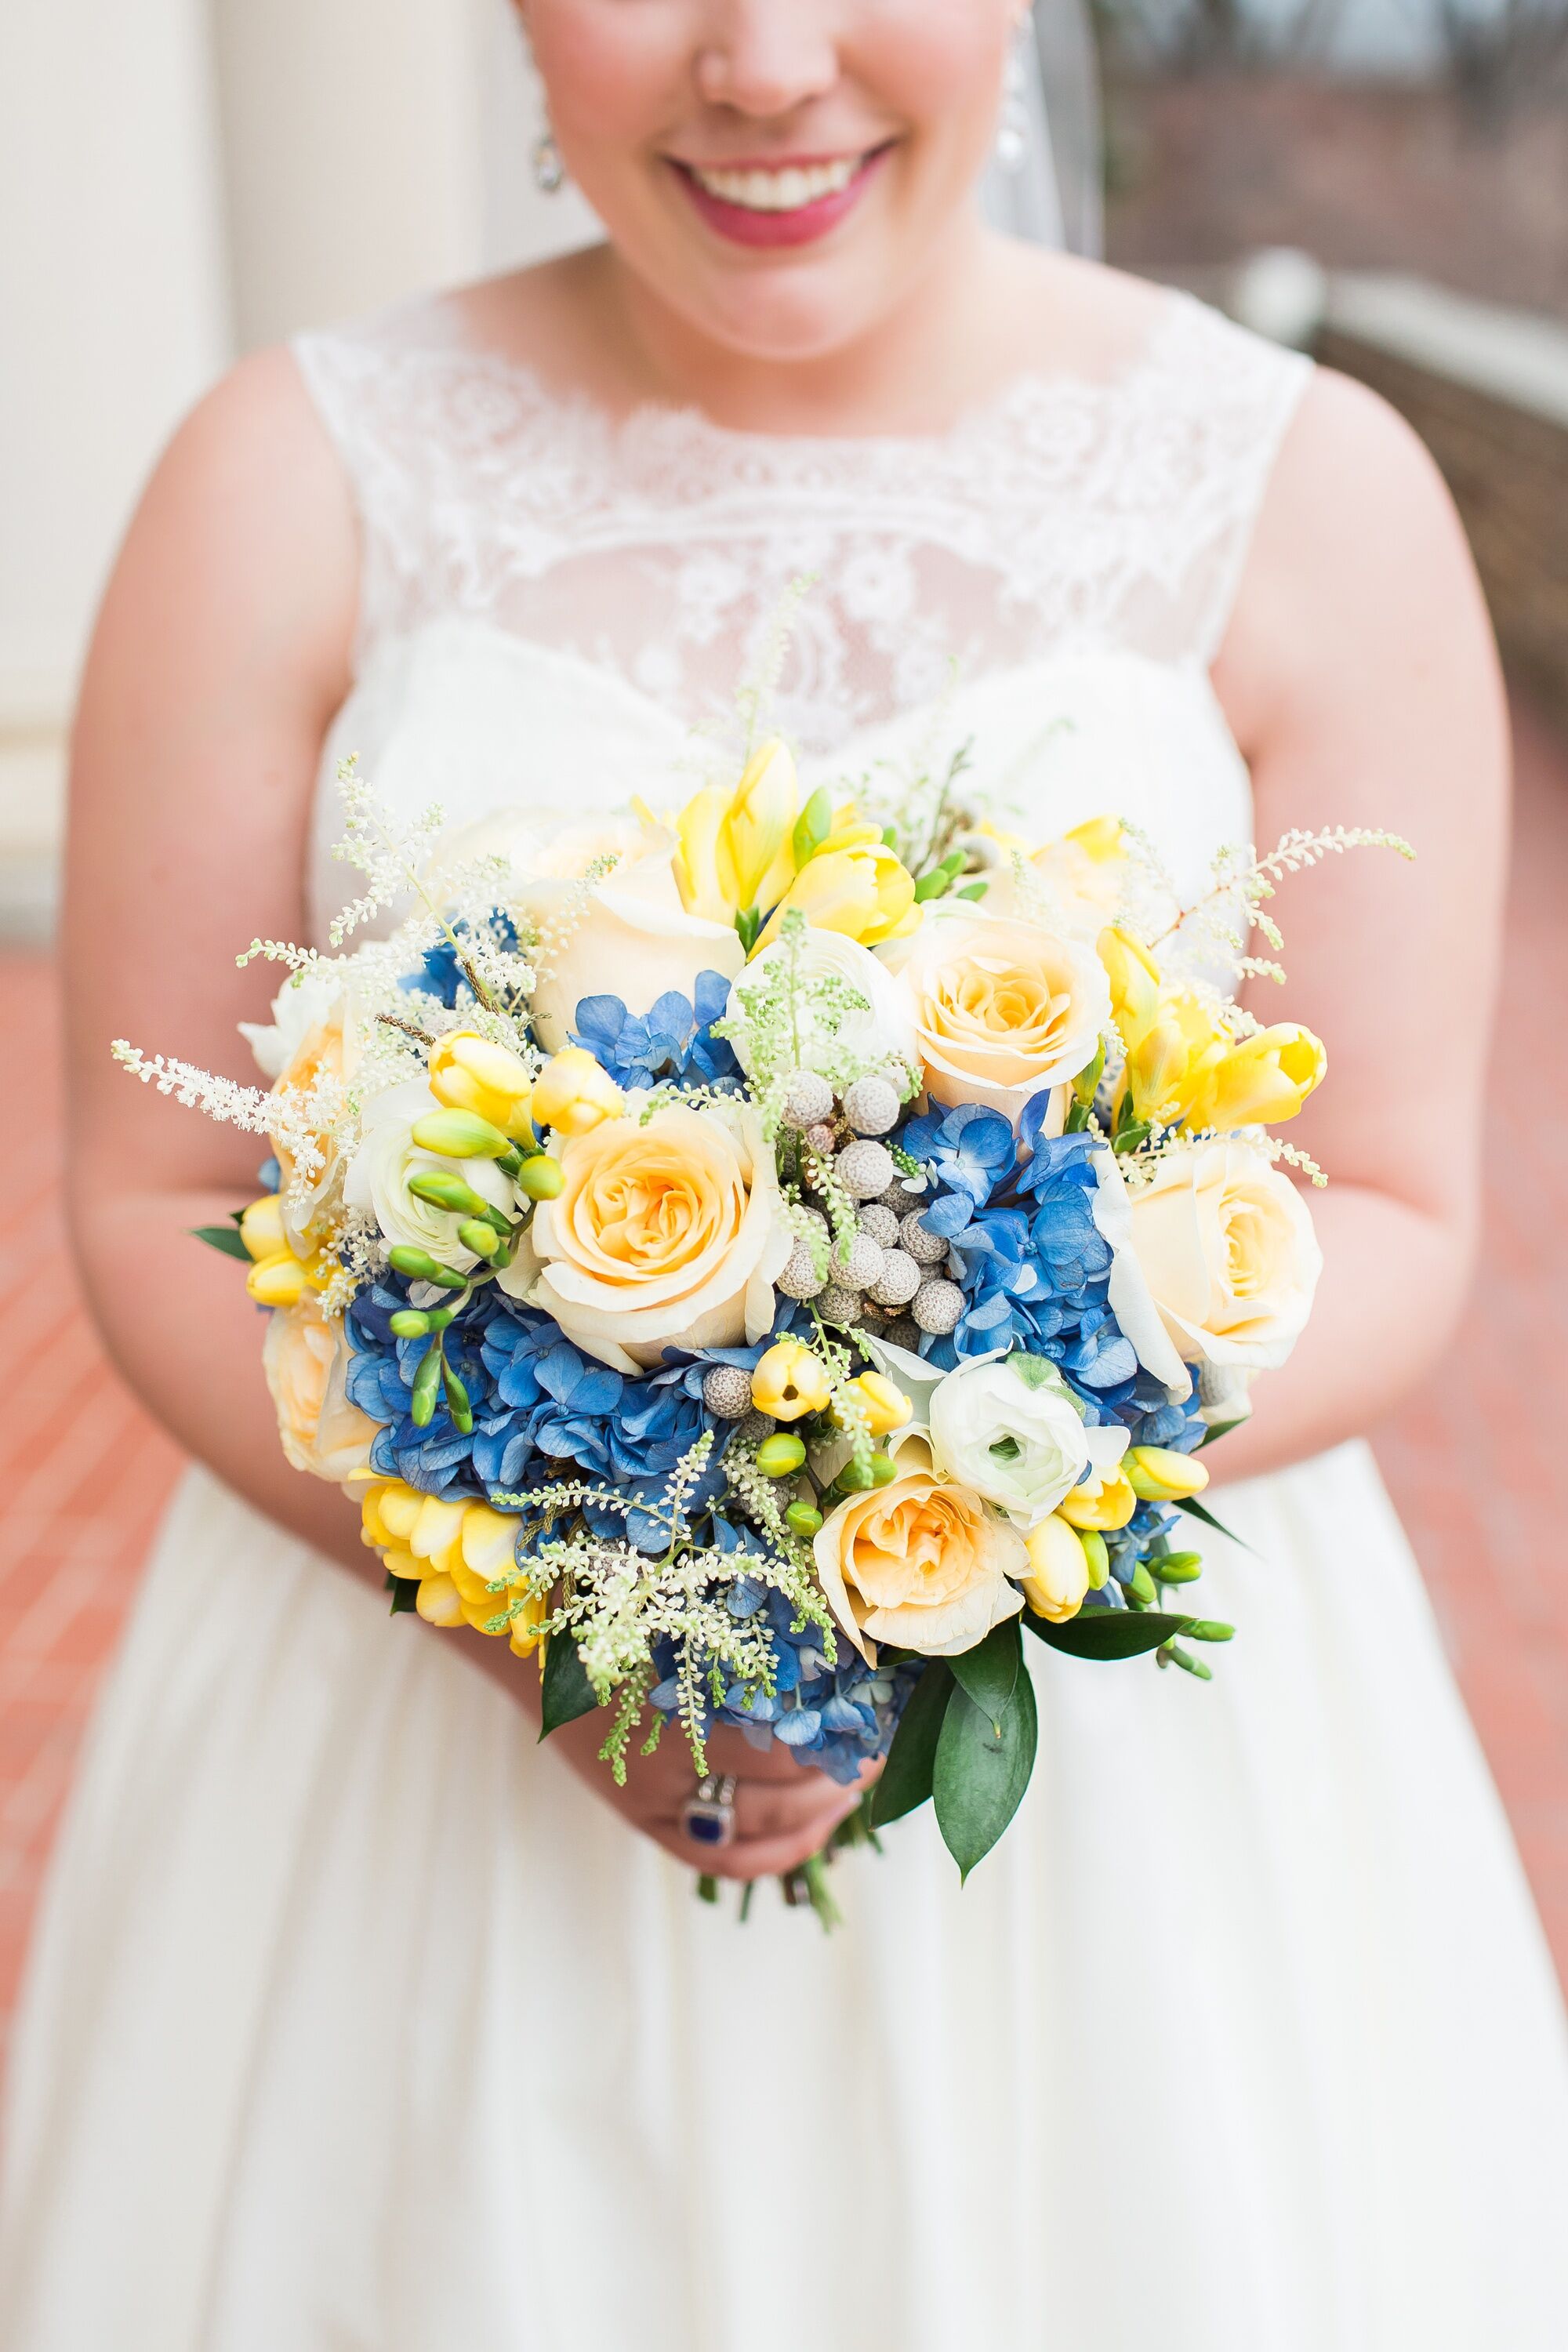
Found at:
[887, 1407]
[573, 1094]
[1134, 978]
[863, 892]
[696, 859]
[1102, 1506]
[790, 1382]
[469, 1071]
[1261, 1081]
[261, 1228]
[1058, 1571]
[1169, 1067]
[755, 854]
[1157, 1475]
[277, 1281]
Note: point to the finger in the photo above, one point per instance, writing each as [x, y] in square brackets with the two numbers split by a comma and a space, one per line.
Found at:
[729, 1750]
[768, 1858]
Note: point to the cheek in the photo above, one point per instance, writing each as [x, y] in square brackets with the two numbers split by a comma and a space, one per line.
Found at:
[616, 75]
[933, 63]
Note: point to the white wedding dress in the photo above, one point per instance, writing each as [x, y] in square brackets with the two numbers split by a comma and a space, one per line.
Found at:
[355, 2023]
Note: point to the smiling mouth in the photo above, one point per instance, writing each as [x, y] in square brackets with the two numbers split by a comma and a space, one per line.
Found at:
[778, 203]
[791, 188]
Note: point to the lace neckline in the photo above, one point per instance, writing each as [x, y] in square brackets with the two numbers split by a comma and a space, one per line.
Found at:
[992, 416]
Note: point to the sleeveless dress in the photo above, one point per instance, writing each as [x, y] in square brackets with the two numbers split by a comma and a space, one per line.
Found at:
[354, 2024]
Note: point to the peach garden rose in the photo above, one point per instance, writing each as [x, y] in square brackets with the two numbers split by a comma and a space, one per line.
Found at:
[1003, 1012]
[920, 1563]
[669, 1232]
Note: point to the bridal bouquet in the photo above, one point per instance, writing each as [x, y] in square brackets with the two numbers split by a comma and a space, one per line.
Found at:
[767, 1263]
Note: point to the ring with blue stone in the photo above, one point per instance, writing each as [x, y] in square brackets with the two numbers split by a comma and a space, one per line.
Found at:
[709, 1817]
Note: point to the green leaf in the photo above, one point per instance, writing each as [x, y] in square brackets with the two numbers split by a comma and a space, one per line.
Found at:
[567, 1693]
[1189, 1503]
[979, 1778]
[974, 891]
[906, 1780]
[404, 1592]
[222, 1237]
[1218, 1430]
[1080, 1118]
[1129, 1138]
[813, 826]
[1108, 1634]
[989, 1671]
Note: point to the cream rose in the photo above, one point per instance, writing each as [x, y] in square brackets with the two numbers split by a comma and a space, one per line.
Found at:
[882, 1026]
[1003, 1012]
[1010, 1430]
[376, 1181]
[316, 1053]
[920, 1563]
[1224, 1247]
[628, 937]
[665, 1234]
[306, 1356]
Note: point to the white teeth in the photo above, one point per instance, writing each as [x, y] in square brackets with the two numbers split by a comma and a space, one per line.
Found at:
[789, 191]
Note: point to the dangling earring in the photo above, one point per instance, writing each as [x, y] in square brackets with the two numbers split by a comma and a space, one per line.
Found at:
[549, 170]
[1012, 129]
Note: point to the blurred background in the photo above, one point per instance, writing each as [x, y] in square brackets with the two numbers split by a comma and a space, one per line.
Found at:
[1383, 182]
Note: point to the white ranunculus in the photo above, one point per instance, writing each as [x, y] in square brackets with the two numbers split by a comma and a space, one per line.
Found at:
[305, 1356]
[668, 1232]
[628, 937]
[1223, 1246]
[297, 1010]
[883, 1027]
[376, 1182]
[1003, 1011]
[1009, 1429]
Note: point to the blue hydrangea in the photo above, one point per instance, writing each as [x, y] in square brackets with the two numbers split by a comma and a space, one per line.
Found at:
[970, 1151]
[439, 973]
[672, 1041]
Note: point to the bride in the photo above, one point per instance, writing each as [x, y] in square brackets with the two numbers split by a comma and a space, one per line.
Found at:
[356, 2018]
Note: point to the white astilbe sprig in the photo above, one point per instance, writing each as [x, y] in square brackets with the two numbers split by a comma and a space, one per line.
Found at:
[223, 1099]
[1242, 882]
[390, 857]
[304, 963]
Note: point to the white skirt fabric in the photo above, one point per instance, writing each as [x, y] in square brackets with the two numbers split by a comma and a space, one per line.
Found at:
[354, 2024]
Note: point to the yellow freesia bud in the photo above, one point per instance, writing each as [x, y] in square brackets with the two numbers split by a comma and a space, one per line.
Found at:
[1134, 978]
[1157, 1475]
[887, 1406]
[1103, 1505]
[469, 1071]
[573, 1094]
[696, 859]
[277, 1281]
[437, 1602]
[1261, 1080]
[754, 855]
[1058, 1571]
[862, 892]
[261, 1228]
[790, 1382]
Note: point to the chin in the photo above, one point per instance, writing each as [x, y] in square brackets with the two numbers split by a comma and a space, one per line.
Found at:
[783, 314]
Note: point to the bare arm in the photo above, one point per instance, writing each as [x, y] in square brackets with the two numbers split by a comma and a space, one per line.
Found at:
[221, 655]
[1362, 680]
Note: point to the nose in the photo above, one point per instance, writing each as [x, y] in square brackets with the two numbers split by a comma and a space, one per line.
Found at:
[766, 58]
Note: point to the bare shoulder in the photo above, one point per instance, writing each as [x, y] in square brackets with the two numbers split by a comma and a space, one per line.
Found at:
[245, 537]
[1359, 566]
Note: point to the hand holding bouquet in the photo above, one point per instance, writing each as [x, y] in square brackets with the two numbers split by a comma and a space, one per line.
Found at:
[765, 1263]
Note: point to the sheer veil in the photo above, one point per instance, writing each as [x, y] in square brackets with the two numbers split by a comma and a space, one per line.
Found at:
[1052, 194]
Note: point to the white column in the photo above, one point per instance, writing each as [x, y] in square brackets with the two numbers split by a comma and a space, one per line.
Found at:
[112, 317]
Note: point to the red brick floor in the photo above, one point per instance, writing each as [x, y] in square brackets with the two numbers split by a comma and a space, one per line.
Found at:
[1477, 1462]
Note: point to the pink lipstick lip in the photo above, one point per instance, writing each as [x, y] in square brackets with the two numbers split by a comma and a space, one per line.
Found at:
[743, 227]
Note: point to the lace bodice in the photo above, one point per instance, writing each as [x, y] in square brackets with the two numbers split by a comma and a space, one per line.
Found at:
[552, 599]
